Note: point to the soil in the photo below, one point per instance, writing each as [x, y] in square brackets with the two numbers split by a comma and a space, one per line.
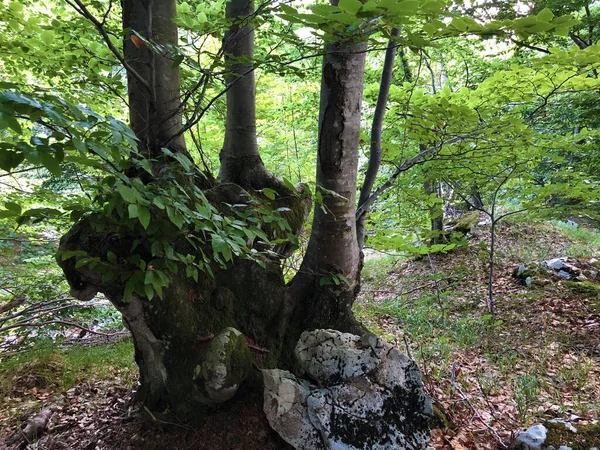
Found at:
[104, 416]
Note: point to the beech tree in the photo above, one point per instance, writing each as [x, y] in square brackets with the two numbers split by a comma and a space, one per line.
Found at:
[247, 294]
[183, 255]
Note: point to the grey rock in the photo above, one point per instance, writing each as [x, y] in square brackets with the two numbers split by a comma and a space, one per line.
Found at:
[564, 275]
[329, 356]
[594, 448]
[564, 447]
[361, 414]
[553, 264]
[534, 436]
[568, 425]
[528, 281]
[285, 405]
[550, 447]
[369, 395]
[226, 363]
[597, 349]
[520, 270]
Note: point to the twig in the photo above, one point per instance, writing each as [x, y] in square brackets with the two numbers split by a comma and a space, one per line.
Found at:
[78, 6]
[464, 397]
[57, 322]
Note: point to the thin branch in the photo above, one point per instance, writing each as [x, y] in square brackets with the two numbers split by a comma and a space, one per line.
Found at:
[407, 164]
[529, 46]
[78, 6]
[58, 322]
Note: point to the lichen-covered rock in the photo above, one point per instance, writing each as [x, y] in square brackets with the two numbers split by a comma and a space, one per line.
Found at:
[225, 365]
[285, 405]
[369, 396]
[330, 357]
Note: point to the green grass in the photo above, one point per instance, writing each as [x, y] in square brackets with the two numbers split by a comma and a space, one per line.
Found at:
[48, 366]
[586, 241]
[376, 270]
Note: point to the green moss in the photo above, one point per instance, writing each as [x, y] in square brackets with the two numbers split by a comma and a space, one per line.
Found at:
[587, 436]
[440, 419]
[584, 287]
[466, 223]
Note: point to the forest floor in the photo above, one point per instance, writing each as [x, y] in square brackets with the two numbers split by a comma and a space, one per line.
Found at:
[536, 360]
[489, 376]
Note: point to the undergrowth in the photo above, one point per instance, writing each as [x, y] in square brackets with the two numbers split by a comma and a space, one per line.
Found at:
[533, 361]
[48, 366]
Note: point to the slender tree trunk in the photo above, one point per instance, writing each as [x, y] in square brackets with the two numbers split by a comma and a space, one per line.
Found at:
[436, 214]
[325, 298]
[240, 158]
[376, 130]
[491, 304]
[153, 84]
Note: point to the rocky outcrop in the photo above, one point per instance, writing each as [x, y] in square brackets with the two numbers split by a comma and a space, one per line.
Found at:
[565, 268]
[364, 394]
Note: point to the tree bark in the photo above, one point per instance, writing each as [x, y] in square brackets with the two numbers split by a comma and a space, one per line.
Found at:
[376, 130]
[325, 298]
[240, 158]
[153, 83]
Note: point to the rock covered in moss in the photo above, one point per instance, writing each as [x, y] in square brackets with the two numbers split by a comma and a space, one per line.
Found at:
[369, 395]
[466, 223]
[225, 365]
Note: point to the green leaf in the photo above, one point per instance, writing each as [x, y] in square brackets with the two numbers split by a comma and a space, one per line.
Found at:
[156, 248]
[351, 6]
[68, 255]
[111, 257]
[9, 160]
[149, 290]
[47, 36]
[12, 206]
[144, 216]
[269, 193]
[127, 193]
[545, 15]
[175, 217]
[459, 24]
[133, 211]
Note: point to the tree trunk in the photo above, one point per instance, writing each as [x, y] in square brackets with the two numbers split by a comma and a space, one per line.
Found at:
[240, 158]
[436, 214]
[376, 130]
[326, 298]
[175, 336]
[152, 83]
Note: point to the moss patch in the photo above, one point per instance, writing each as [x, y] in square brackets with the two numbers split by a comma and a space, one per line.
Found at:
[587, 436]
[467, 222]
[584, 287]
